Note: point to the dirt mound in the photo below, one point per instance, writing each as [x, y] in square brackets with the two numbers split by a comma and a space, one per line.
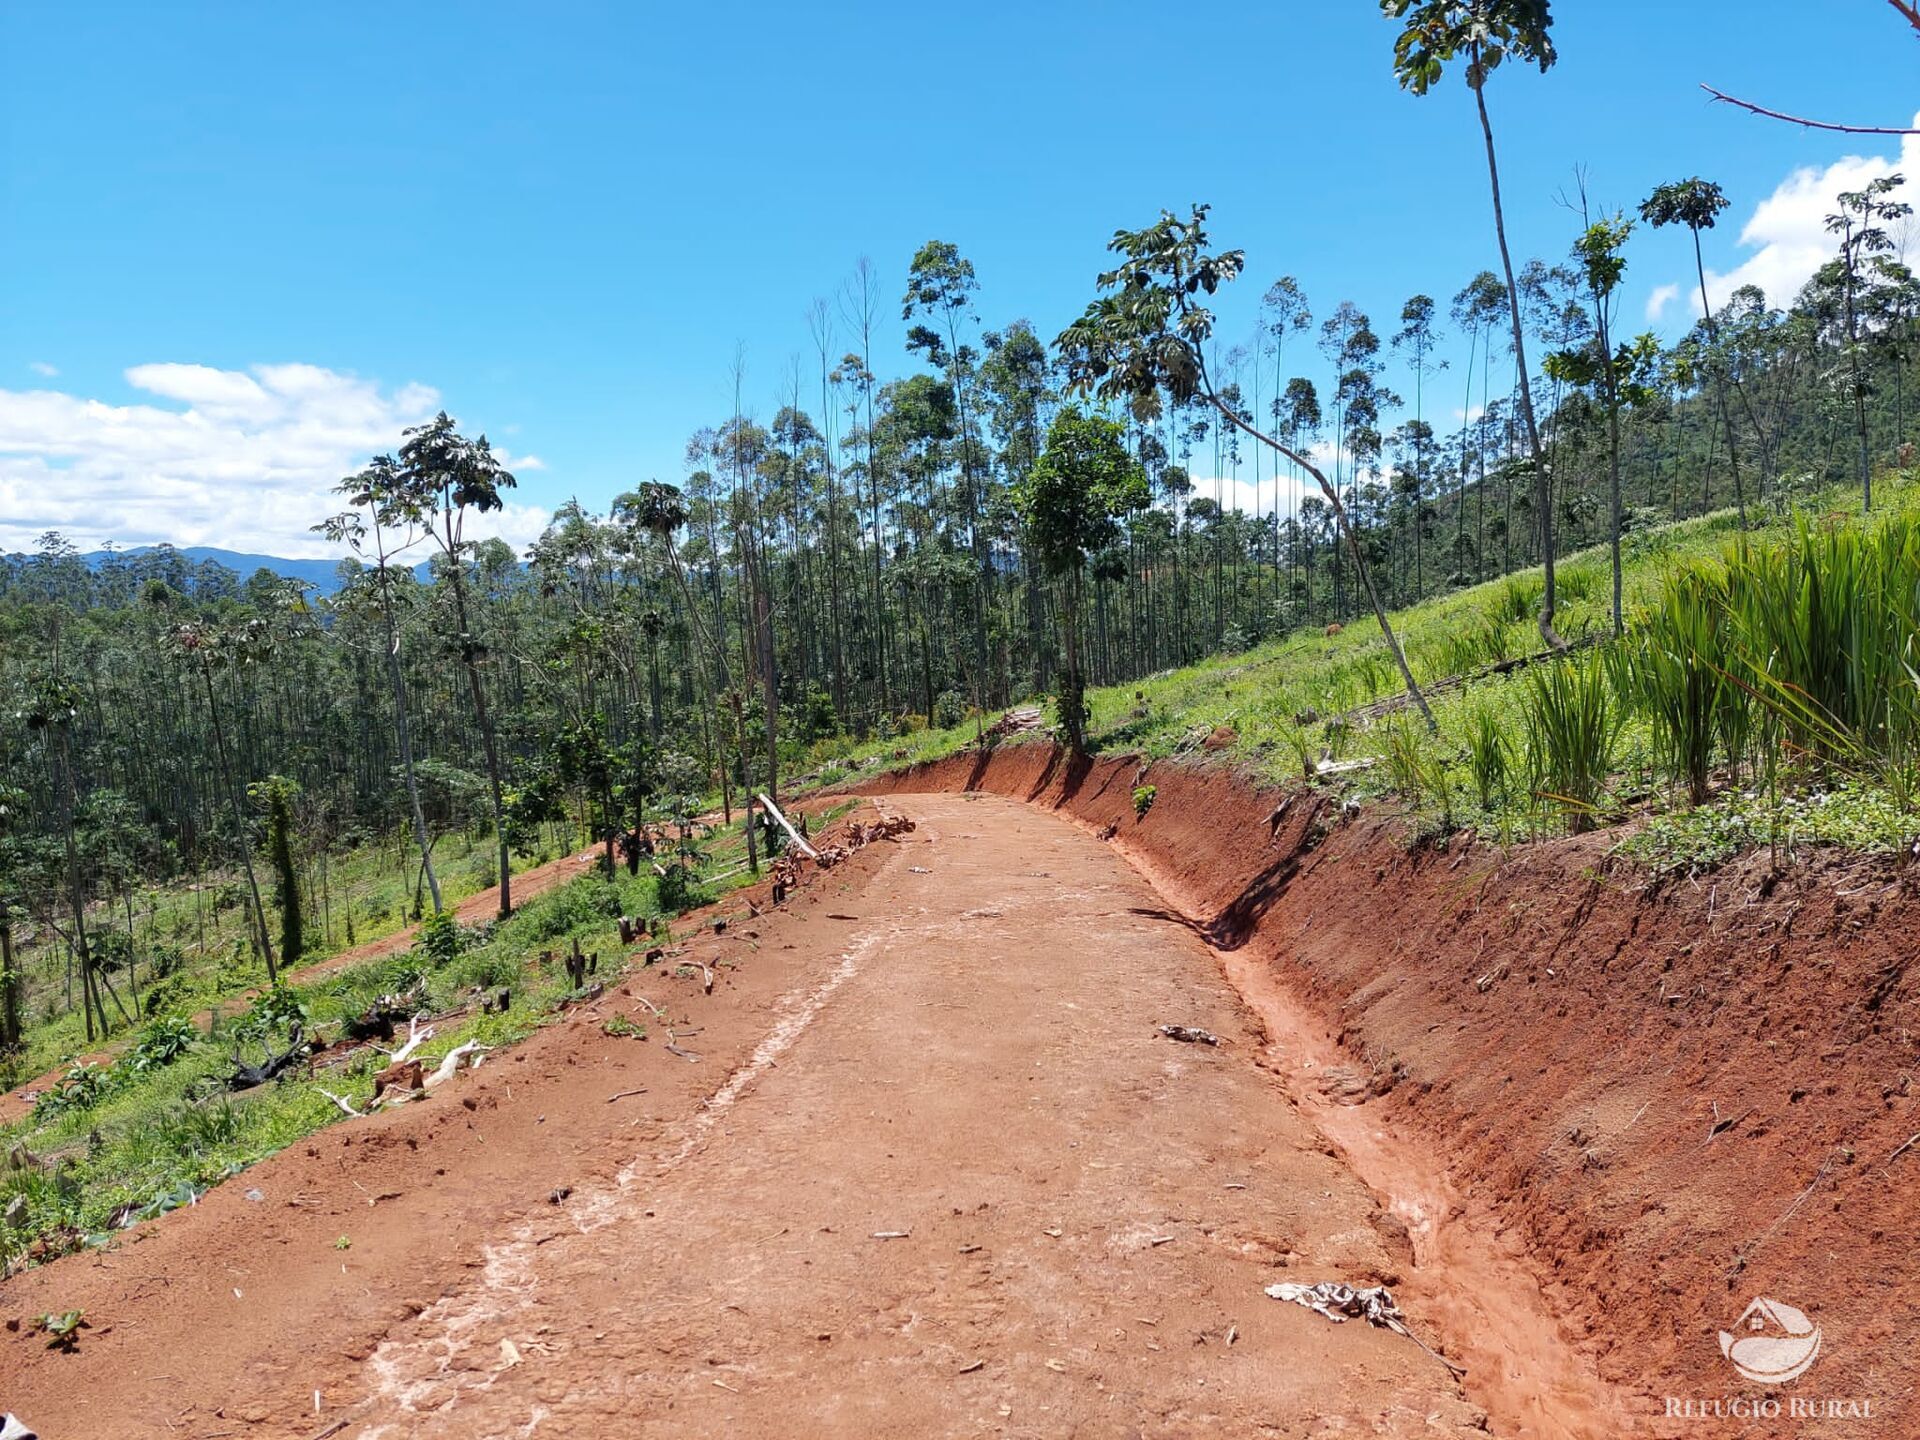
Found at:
[1680, 1095]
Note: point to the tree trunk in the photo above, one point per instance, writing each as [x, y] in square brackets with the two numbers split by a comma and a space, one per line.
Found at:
[1542, 482]
[403, 734]
[240, 828]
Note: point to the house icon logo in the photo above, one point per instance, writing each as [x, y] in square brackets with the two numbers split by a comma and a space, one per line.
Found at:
[1771, 1343]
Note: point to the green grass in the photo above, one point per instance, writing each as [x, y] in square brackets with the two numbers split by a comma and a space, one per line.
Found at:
[150, 1130]
[1606, 736]
[200, 937]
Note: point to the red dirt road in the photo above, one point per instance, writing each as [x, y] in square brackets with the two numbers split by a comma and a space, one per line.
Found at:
[935, 1173]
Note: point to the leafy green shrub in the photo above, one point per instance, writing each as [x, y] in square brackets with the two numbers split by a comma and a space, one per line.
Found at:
[280, 1009]
[440, 941]
[1143, 797]
[84, 1086]
[161, 1044]
[680, 890]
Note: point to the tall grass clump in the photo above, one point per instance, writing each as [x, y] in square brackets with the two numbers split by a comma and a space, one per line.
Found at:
[1827, 620]
[1416, 771]
[1679, 670]
[1489, 756]
[1572, 721]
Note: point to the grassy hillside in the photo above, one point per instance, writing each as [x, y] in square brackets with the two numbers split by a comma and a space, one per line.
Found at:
[1322, 706]
[119, 1140]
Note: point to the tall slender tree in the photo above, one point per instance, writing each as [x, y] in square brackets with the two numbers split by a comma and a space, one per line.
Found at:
[1145, 339]
[447, 476]
[1486, 33]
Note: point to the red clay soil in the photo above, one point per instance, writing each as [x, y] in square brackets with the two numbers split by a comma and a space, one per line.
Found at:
[935, 1172]
[1662, 1098]
[476, 909]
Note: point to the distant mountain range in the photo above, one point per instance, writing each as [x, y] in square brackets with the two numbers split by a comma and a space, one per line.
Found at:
[322, 575]
[318, 573]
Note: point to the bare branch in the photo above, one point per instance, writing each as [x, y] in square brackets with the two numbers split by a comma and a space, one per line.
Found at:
[1810, 124]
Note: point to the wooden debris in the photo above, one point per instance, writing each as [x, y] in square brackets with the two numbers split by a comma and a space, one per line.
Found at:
[799, 841]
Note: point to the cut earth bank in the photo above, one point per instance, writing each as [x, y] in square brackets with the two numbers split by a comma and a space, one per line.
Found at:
[1664, 1097]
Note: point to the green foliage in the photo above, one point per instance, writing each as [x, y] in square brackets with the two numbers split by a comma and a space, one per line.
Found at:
[276, 795]
[1485, 32]
[161, 1044]
[680, 890]
[275, 1012]
[83, 1087]
[1827, 626]
[1083, 485]
[1417, 771]
[1680, 672]
[1572, 722]
[1489, 756]
[62, 1330]
[1143, 797]
[440, 941]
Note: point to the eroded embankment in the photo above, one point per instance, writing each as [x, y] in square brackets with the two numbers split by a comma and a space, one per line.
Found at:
[1671, 1097]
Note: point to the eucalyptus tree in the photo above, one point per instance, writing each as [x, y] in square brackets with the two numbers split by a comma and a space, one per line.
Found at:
[212, 649]
[820, 328]
[1073, 499]
[1285, 312]
[1487, 33]
[1861, 223]
[1598, 253]
[444, 476]
[381, 524]
[859, 304]
[13, 802]
[1143, 342]
[660, 511]
[1697, 204]
[51, 712]
[1016, 382]
[941, 287]
[1478, 309]
[1416, 339]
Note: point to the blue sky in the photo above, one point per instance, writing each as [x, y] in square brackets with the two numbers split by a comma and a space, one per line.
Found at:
[242, 242]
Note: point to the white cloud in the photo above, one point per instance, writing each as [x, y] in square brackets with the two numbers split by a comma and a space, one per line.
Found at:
[1659, 300]
[41, 367]
[241, 459]
[1239, 494]
[1788, 230]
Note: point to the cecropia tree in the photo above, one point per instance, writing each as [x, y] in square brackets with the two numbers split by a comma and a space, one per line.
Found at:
[1144, 342]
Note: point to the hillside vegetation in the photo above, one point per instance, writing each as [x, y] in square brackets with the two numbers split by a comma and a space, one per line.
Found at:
[1766, 693]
